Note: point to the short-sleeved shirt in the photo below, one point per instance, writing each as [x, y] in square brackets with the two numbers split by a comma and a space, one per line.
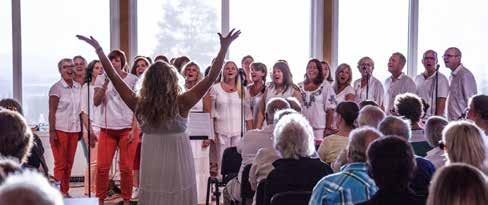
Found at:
[68, 110]
[402, 84]
[341, 96]
[375, 91]
[94, 110]
[426, 89]
[462, 87]
[316, 103]
[115, 114]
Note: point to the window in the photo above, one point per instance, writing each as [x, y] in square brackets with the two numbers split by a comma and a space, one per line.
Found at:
[274, 30]
[6, 80]
[375, 28]
[461, 24]
[48, 35]
[179, 27]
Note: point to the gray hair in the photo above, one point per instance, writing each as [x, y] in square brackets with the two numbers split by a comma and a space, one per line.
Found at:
[281, 113]
[34, 188]
[359, 140]
[293, 137]
[433, 129]
[370, 116]
[275, 104]
[393, 125]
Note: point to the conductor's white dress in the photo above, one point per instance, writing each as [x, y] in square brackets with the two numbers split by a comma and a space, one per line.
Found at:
[167, 174]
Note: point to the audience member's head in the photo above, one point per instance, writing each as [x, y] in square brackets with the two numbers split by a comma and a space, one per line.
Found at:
[433, 130]
[347, 113]
[281, 113]
[465, 142]
[359, 140]
[29, 188]
[294, 104]
[393, 125]
[365, 103]
[391, 163]
[458, 184]
[11, 104]
[370, 116]
[15, 136]
[8, 166]
[275, 104]
[478, 111]
[410, 106]
[293, 137]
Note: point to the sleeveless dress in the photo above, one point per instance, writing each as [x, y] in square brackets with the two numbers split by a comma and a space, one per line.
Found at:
[167, 174]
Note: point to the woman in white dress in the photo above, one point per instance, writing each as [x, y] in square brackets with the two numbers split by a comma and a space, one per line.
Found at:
[162, 107]
[257, 88]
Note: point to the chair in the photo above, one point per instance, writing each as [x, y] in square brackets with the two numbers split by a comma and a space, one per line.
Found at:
[291, 198]
[231, 162]
[260, 192]
[246, 190]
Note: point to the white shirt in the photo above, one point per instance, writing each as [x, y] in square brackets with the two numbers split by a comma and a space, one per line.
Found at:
[68, 110]
[376, 92]
[426, 89]
[271, 93]
[226, 110]
[115, 114]
[462, 87]
[341, 97]
[403, 84]
[262, 165]
[316, 103]
[253, 141]
[437, 157]
[94, 110]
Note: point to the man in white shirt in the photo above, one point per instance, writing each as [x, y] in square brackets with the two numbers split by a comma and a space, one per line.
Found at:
[462, 84]
[432, 86]
[368, 87]
[251, 142]
[398, 82]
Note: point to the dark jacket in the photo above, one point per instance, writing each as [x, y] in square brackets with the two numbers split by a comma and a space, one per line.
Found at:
[389, 197]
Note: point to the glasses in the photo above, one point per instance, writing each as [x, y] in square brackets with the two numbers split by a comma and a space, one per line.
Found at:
[442, 145]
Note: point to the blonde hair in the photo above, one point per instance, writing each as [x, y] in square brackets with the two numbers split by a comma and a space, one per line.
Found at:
[192, 63]
[159, 87]
[466, 143]
[293, 137]
[338, 70]
[458, 184]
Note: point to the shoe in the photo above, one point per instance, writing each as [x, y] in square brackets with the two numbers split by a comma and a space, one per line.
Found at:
[113, 187]
[135, 193]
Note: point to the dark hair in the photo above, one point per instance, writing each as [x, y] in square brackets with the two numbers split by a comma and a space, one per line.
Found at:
[180, 61]
[8, 166]
[137, 59]
[287, 77]
[260, 67]
[120, 54]
[348, 111]
[479, 105]
[329, 77]
[15, 136]
[89, 70]
[80, 57]
[409, 106]
[320, 78]
[161, 57]
[367, 102]
[11, 104]
[391, 162]
[246, 57]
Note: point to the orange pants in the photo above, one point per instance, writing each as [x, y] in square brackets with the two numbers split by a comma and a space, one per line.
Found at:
[64, 151]
[108, 142]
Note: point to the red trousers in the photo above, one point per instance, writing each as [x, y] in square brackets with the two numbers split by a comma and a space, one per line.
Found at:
[108, 142]
[64, 151]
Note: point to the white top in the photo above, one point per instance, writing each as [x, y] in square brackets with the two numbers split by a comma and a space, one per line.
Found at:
[198, 107]
[262, 165]
[68, 110]
[375, 91]
[115, 114]
[94, 110]
[403, 84]
[226, 110]
[251, 142]
[437, 157]
[271, 93]
[462, 87]
[341, 97]
[254, 103]
[426, 89]
[316, 103]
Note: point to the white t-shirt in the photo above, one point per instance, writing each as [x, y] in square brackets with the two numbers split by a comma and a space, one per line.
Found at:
[68, 110]
[316, 103]
[462, 87]
[341, 97]
[403, 84]
[94, 110]
[115, 114]
[271, 93]
[426, 90]
[226, 110]
[375, 91]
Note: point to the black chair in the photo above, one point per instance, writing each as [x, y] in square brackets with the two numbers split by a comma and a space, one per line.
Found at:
[231, 162]
[291, 198]
[246, 191]
[260, 192]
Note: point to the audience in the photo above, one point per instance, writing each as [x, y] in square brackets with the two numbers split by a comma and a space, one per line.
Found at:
[433, 133]
[15, 136]
[8, 166]
[478, 111]
[391, 164]
[370, 116]
[458, 184]
[352, 184]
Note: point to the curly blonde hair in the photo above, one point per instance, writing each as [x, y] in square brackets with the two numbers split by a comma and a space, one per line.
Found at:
[159, 87]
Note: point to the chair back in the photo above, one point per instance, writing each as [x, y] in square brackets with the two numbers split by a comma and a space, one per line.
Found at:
[291, 198]
[246, 190]
[231, 162]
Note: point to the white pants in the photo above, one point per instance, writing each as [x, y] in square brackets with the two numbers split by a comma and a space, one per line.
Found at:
[218, 151]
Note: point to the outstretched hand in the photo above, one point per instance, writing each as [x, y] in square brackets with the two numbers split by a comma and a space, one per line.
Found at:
[231, 36]
[92, 41]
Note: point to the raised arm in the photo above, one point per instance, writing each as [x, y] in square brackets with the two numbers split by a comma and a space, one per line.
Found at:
[188, 99]
[125, 92]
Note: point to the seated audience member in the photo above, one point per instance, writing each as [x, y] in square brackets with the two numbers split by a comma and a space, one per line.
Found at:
[251, 142]
[7, 167]
[15, 136]
[392, 125]
[296, 170]
[464, 142]
[433, 133]
[30, 188]
[294, 104]
[352, 184]
[410, 107]
[391, 164]
[458, 183]
[365, 103]
[36, 159]
[370, 116]
[329, 149]
[478, 111]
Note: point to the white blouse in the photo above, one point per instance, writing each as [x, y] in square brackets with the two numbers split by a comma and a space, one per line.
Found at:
[68, 110]
[316, 103]
[341, 97]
